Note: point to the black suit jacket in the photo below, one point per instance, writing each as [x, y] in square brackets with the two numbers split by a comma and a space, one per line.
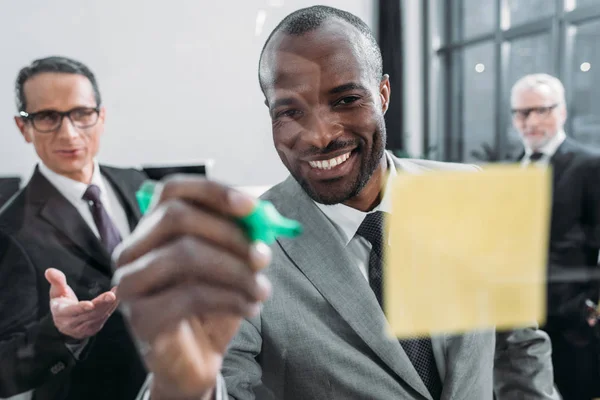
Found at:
[574, 235]
[40, 229]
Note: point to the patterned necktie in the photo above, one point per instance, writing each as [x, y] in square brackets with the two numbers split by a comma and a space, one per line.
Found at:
[109, 235]
[418, 350]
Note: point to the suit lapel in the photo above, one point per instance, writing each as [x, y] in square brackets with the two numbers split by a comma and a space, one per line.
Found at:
[126, 195]
[559, 161]
[319, 253]
[56, 210]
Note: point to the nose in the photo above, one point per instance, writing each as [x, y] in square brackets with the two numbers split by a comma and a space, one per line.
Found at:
[66, 129]
[323, 128]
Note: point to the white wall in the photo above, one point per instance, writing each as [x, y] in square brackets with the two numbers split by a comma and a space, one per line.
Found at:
[178, 78]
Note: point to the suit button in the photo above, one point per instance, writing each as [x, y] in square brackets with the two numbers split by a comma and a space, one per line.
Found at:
[56, 368]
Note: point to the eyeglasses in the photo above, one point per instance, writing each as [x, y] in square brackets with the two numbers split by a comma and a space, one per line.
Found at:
[47, 121]
[522, 114]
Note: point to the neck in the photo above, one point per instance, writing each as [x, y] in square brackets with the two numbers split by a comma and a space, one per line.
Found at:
[84, 175]
[370, 196]
[537, 147]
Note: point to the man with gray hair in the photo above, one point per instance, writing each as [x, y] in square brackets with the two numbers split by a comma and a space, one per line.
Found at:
[539, 113]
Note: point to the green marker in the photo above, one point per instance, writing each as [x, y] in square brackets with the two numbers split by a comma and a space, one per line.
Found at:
[264, 223]
[144, 195]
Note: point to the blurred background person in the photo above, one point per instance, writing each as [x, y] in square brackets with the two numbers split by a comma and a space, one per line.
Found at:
[59, 332]
[539, 114]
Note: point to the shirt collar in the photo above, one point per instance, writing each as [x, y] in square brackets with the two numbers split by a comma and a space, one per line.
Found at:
[549, 148]
[73, 190]
[347, 220]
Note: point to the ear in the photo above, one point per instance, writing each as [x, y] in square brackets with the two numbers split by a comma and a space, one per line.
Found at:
[101, 119]
[102, 115]
[24, 128]
[563, 113]
[384, 93]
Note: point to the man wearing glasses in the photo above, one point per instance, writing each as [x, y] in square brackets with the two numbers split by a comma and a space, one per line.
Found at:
[539, 114]
[60, 335]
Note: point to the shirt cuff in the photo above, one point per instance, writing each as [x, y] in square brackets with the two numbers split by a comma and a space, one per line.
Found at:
[219, 392]
[219, 388]
[77, 348]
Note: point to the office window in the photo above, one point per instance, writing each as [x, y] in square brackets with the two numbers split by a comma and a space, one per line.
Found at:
[478, 16]
[522, 11]
[579, 3]
[585, 98]
[529, 55]
[529, 36]
[478, 101]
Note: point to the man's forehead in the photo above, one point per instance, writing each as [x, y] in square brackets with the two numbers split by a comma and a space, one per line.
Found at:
[325, 55]
[53, 90]
[293, 70]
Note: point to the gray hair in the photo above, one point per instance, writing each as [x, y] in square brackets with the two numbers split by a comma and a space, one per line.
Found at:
[535, 81]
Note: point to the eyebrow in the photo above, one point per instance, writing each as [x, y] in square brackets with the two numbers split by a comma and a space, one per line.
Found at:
[534, 108]
[286, 101]
[347, 87]
[336, 90]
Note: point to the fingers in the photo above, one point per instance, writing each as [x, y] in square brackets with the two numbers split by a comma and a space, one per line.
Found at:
[177, 218]
[212, 195]
[66, 308]
[191, 206]
[105, 298]
[177, 304]
[192, 260]
[58, 283]
[72, 314]
[187, 259]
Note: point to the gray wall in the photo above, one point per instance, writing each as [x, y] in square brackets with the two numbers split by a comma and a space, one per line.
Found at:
[178, 78]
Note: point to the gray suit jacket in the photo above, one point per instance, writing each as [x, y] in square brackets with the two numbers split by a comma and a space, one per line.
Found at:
[322, 333]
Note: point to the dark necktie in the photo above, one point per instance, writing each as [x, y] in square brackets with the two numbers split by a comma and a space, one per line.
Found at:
[536, 157]
[109, 235]
[418, 350]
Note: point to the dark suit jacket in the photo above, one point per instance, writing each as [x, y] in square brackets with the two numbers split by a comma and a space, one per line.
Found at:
[40, 229]
[574, 235]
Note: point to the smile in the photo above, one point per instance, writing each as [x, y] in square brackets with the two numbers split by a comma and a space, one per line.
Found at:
[331, 163]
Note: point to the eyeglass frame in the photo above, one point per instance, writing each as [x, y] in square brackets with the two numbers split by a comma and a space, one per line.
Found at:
[30, 117]
[541, 111]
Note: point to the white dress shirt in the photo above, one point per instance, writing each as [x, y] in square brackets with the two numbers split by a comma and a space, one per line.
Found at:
[347, 220]
[73, 191]
[547, 150]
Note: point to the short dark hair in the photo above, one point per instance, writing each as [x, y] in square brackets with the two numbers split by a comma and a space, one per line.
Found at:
[309, 19]
[58, 64]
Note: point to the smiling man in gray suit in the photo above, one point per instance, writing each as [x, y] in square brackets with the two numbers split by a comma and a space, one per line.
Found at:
[322, 332]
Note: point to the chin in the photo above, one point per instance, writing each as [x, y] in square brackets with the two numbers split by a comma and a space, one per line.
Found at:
[333, 192]
[537, 144]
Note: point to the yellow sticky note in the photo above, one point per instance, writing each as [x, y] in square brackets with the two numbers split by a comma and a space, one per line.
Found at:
[468, 250]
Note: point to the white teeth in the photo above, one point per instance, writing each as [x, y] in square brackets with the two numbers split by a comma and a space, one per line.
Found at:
[329, 164]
